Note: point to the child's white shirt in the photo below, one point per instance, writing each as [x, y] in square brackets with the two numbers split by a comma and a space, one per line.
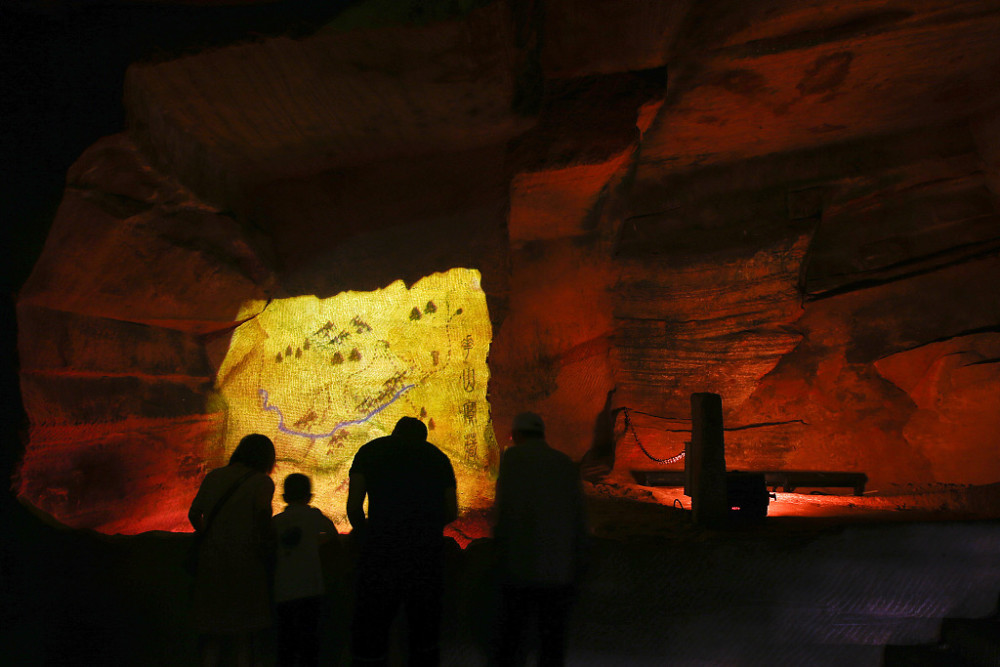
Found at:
[298, 571]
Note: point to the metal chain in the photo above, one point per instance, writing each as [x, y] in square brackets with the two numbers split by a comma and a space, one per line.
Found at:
[629, 427]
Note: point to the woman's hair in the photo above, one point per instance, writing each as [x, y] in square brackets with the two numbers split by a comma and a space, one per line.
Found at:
[255, 451]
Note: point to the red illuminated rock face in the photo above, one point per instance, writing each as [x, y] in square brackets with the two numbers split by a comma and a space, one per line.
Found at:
[117, 325]
[852, 401]
[793, 206]
[955, 388]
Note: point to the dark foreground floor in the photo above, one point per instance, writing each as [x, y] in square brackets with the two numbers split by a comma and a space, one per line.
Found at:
[787, 593]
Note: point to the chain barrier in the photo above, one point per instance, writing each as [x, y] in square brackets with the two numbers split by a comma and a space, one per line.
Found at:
[629, 427]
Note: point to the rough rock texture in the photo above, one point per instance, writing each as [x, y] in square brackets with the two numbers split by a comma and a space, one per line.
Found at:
[138, 282]
[955, 385]
[234, 118]
[141, 248]
[781, 76]
[718, 325]
[792, 204]
[126, 476]
[852, 416]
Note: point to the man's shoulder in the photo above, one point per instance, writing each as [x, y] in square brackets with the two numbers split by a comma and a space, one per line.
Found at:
[436, 452]
[376, 444]
[441, 461]
[532, 455]
[372, 449]
[534, 450]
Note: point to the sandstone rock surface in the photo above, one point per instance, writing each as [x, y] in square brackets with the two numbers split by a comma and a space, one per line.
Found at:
[792, 204]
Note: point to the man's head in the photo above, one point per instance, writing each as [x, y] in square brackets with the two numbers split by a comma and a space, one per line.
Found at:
[298, 489]
[410, 429]
[527, 425]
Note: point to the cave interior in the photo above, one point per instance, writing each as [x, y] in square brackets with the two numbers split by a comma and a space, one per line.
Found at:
[591, 209]
[793, 207]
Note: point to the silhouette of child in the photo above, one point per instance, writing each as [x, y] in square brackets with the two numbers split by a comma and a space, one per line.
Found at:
[298, 576]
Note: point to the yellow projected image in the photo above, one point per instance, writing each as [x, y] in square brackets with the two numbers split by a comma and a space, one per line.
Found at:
[321, 377]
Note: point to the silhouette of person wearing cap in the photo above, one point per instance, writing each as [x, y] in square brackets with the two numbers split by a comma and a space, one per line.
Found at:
[541, 539]
[411, 490]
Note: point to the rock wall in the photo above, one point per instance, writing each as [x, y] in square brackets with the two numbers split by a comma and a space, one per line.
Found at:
[117, 329]
[794, 208]
[791, 284]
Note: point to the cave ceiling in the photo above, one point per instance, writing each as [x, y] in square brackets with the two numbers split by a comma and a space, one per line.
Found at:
[736, 81]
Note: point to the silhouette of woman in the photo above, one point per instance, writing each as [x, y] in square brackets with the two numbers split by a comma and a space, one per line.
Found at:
[232, 516]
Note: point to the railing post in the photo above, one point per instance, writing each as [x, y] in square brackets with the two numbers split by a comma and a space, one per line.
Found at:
[705, 461]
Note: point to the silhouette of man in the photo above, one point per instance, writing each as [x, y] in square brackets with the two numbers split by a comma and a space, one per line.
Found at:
[541, 539]
[410, 486]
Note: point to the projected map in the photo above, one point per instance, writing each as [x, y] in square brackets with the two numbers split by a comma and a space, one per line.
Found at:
[321, 377]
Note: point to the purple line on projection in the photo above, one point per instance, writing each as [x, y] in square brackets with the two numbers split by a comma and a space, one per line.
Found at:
[316, 436]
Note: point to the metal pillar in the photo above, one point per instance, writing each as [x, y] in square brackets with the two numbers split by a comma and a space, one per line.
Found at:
[705, 461]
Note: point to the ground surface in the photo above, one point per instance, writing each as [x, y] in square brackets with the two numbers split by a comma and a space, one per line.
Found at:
[798, 590]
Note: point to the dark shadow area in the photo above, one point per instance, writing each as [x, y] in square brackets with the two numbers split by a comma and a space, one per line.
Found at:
[63, 68]
[71, 597]
[81, 598]
[794, 590]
